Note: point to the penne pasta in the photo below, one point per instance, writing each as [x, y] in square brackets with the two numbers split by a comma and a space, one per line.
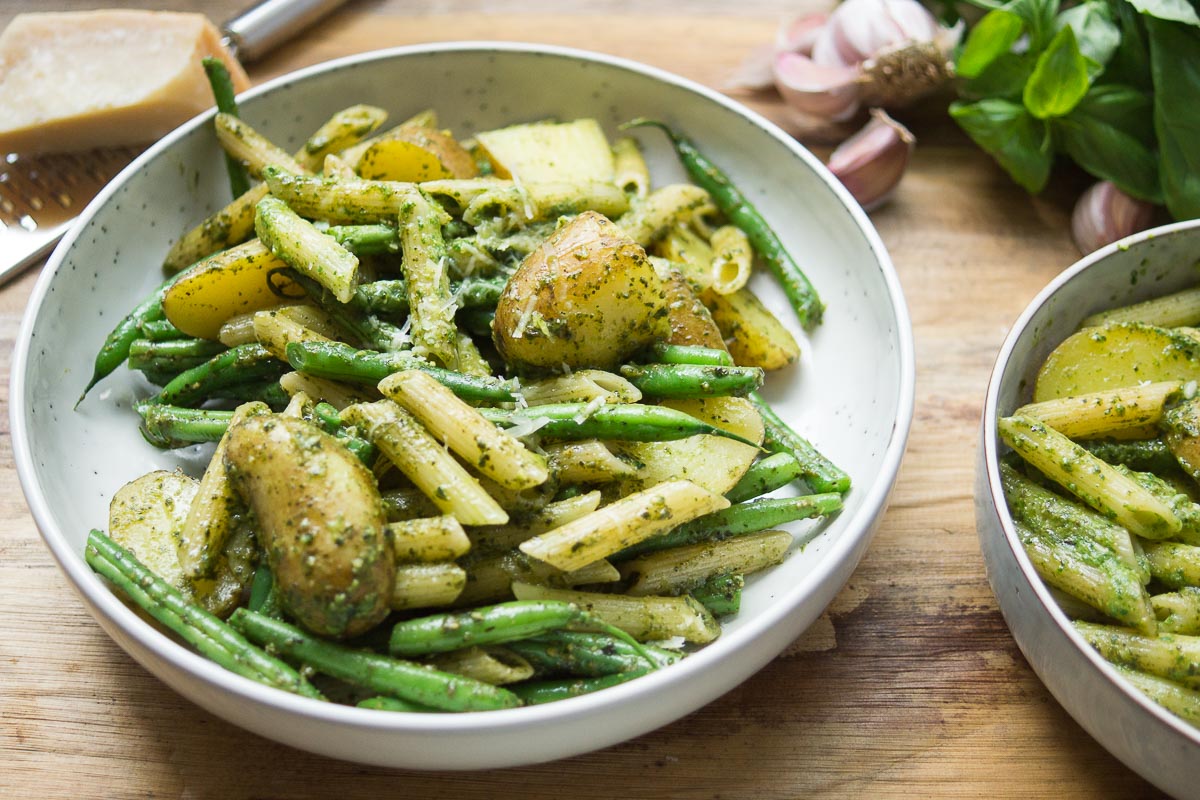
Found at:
[732, 258]
[427, 539]
[681, 569]
[427, 585]
[1105, 413]
[648, 618]
[465, 431]
[661, 210]
[630, 173]
[618, 525]
[421, 458]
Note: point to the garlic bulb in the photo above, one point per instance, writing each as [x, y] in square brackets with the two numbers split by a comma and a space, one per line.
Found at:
[872, 53]
[1103, 214]
[871, 162]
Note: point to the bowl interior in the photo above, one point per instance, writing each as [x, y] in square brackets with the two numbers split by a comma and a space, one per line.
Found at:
[852, 394]
[1139, 268]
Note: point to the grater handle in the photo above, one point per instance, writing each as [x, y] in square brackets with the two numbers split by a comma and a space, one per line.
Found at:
[259, 29]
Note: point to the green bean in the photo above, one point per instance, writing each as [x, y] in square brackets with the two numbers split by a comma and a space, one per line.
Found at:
[742, 213]
[692, 380]
[241, 364]
[391, 296]
[690, 354]
[160, 330]
[353, 316]
[116, 345]
[261, 588]
[342, 362]
[366, 240]
[202, 630]
[264, 391]
[160, 370]
[504, 622]
[393, 677]
[168, 426]
[477, 321]
[385, 703]
[625, 421]
[765, 476]
[749, 517]
[169, 349]
[534, 693]
[821, 474]
[721, 594]
[586, 654]
[1147, 455]
[328, 416]
[223, 93]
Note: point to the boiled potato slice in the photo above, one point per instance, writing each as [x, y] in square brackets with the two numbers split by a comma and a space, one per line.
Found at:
[147, 515]
[416, 154]
[545, 152]
[1117, 355]
[714, 462]
[234, 282]
[587, 297]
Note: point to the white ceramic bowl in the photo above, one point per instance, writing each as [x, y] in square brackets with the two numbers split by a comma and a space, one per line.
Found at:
[853, 394]
[1160, 747]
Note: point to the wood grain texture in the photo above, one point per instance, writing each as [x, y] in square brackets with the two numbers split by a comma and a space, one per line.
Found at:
[909, 686]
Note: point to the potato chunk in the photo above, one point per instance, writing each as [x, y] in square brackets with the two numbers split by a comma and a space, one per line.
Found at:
[321, 522]
[587, 297]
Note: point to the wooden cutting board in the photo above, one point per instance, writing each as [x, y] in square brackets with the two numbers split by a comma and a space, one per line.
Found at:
[910, 685]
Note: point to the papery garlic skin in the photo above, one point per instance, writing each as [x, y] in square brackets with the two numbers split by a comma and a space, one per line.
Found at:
[871, 162]
[860, 29]
[868, 53]
[1104, 214]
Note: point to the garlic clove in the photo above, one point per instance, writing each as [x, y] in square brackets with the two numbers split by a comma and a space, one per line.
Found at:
[871, 162]
[912, 20]
[829, 92]
[799, 34]
[1103, 214]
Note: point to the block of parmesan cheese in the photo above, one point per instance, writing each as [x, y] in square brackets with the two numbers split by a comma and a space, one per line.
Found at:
[78, 80]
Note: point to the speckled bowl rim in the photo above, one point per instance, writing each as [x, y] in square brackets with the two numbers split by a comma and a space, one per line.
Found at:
[643, 690]
[996, 492]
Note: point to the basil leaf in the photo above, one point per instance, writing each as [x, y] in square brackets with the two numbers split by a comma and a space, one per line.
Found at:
[1059, 80]
[1095, 31]
[1123, 107]
[1005, 77]
[1175, 67]
[1110, 155]
[1173, 10]
[1131, 62]
[1038, 16]
[993, 36]
[1009, 132]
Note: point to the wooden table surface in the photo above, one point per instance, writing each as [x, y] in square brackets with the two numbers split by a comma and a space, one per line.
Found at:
[909, 686]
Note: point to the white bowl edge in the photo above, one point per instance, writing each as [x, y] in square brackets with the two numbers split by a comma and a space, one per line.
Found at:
[176, 665]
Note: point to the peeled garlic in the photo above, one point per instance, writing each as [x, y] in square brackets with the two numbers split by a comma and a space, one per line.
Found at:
[871, 162]
[1103, 214]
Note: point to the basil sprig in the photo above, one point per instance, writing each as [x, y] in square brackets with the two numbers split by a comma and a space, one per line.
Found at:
[1113, 85]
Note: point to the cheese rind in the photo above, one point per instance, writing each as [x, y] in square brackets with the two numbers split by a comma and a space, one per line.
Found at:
[78, 80]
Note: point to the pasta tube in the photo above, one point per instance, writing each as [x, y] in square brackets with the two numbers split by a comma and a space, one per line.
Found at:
[415, 452]
[428, 539]
[647, 618]
[480, 443]
[622, 523]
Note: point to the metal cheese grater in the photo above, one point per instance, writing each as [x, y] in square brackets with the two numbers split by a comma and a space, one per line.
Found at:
[40, 196]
